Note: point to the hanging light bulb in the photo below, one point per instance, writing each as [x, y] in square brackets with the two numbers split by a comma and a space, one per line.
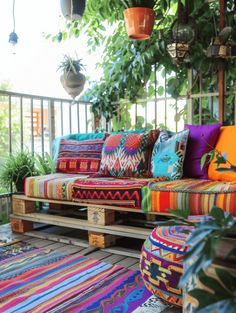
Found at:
[13, 38]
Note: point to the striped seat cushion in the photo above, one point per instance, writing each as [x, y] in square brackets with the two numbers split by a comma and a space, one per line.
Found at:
[196, 194]
[54, 186]
[110, 191]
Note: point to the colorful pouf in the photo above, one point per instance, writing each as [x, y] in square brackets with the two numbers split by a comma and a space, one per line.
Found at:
[161, 262]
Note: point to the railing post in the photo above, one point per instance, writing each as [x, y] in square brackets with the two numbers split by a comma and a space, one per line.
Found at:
[51, 123]
[189, 97]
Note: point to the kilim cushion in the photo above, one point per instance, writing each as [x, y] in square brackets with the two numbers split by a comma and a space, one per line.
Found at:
[168, 154]
[79, 156]
[53, 186]
[128, 155]
[226, 144]
[161, 262]
[198, 195]
[110, 191]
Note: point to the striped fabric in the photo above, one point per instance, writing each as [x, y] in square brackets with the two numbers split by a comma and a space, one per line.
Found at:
[42, 280]
[196, 194]
[110, 191]
[53, 186]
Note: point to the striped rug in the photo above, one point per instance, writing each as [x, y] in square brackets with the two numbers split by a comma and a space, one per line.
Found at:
[42, 280]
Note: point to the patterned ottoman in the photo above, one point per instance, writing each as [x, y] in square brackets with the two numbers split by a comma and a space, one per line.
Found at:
[161, 262]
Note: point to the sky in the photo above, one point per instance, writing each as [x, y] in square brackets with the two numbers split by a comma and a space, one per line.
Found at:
[31, 66]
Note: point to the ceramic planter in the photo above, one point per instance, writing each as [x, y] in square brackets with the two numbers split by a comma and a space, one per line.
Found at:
[73, 83]
[73, 9]
[139, 22]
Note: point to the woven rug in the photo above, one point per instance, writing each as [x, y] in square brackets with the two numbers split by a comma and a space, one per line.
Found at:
[42, 280]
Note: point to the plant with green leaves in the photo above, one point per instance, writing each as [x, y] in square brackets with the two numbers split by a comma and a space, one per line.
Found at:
[70, 64]
[45, 165]
[138, 3]
[204, 243]
[16, 168]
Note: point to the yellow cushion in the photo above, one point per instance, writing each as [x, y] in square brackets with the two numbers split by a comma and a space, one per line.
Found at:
[226, 144]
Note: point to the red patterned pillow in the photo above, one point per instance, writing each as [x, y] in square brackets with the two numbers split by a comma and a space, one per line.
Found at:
[82, 157]
[128, 155]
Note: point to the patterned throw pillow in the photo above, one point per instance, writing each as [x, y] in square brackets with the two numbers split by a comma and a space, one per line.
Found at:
[79, 156]
[168, 154]
[128, 155]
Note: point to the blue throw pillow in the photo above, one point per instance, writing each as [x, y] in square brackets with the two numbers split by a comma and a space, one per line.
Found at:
[168, 154]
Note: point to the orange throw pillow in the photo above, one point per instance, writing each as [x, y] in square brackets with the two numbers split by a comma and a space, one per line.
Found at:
[226, 144]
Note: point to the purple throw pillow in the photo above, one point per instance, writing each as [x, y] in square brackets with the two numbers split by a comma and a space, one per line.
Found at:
[202, 139]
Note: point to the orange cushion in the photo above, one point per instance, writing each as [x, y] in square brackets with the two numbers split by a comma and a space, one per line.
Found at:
[226, 144]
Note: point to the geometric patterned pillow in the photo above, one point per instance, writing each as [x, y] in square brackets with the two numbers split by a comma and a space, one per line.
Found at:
[128, 154]
[168, 154]
[79, 156]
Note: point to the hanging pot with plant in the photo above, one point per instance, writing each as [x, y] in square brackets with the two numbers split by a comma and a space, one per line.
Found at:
[139, 18]
[72, 79]
[73, 9]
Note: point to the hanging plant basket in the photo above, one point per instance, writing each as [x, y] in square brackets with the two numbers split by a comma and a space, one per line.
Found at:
[73, 9]
[139, 22]
[73, 83]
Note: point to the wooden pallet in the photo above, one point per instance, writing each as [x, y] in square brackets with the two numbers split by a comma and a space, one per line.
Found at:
[101, 225]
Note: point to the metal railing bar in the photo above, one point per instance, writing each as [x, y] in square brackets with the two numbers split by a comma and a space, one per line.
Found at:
[62, 126]
[78, 117]
[70, 126]
[86, 118]
[37, 97]
[21, 125]
[32, 123]
[9, 124]
[42, 126]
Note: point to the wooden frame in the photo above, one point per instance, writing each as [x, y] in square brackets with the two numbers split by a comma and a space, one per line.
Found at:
[100, 220]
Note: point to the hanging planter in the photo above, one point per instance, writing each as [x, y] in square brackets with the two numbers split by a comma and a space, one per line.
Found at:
[139, 18]
[72, 79]
[223, 45]
[73, 9]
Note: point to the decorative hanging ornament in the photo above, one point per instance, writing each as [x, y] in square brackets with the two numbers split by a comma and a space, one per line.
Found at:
[182, 35]
[13, 38]
[73, 9]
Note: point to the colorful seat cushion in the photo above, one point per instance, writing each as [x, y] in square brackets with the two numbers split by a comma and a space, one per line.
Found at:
[168, 154]
[202, 138]
[161, 262]
[128, 155]
[79, 156]
[53, 186]
[226, 144]
[110, 190]
[196, 194]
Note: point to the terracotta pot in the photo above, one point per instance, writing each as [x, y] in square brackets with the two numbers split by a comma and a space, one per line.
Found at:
[139, 22]
[73, 83]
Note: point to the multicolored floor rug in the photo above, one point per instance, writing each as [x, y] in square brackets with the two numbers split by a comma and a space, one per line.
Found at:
[42, 280]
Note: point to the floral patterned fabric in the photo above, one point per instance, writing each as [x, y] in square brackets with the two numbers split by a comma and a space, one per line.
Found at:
[82, 157]
[168, 154]
[128, 155]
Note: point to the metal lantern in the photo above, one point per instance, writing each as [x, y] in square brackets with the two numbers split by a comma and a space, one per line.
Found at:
[179, 48]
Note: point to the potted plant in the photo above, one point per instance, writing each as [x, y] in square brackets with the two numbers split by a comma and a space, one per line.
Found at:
[139, 18]
[72, 79]
[16, 167]
[73, 9]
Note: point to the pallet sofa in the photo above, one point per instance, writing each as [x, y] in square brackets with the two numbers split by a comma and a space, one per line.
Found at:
[140, 172]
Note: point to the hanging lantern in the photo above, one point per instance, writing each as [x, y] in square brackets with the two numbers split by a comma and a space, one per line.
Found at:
[182, 35]
[13, 38]
[73, 9]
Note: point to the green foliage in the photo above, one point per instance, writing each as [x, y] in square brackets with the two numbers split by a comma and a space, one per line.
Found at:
[138, 3]
[16, 168]
[202, 244]
[45, 165]
[69, 64]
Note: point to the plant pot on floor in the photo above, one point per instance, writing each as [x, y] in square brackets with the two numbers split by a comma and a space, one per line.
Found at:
[139, 22]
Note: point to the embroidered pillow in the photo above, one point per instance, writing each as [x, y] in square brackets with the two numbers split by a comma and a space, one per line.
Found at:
[82, 157]
[168, 154]
[128, 155]
[202, 139]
